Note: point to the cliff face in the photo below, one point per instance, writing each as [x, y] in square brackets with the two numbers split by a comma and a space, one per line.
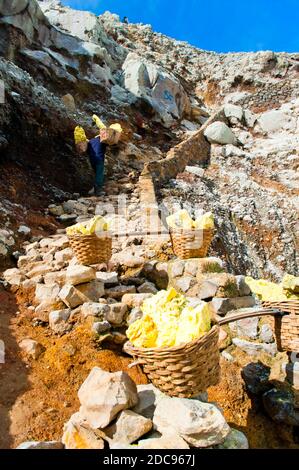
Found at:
[59, 66]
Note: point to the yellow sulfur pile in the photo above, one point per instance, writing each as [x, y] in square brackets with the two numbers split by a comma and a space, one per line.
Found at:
[169, 320]
[270, 292]
[97, 224]
[183, 220]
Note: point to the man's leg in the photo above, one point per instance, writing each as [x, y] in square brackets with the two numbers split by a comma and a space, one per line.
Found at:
[99, 182]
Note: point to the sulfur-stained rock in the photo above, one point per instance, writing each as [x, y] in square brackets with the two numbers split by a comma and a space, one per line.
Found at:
[78, 435]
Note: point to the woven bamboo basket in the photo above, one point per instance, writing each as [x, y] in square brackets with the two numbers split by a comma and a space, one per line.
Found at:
[286, 327]
[191, 243]
[181, 371]
[92, 249]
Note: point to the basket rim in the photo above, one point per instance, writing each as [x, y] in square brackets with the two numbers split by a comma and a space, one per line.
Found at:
[173, 349]
[190, 230]
[276, 302]
[102, 234]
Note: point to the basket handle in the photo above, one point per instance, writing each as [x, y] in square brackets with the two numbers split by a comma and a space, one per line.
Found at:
[258, 313]
[135, 364]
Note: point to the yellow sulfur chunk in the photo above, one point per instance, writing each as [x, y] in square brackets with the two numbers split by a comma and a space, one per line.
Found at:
[180, 220]
[79, 135]
[266, 290]
[117, 127]
[205, 222]
[99, 123]
[143, 332]
[291, 283]
[94, 225]
[167, 331]
[193, 323]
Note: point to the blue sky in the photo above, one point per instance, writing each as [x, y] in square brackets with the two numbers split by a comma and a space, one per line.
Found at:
[216, 25]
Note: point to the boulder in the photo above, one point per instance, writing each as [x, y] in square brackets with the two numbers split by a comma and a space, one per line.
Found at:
[14, 276]
[58, 321]
[129, 427]
[104, 395]
[148, 397]
[31, 348]
[78, 274]
[70, 296]
[78, 435]
[219, 133]
[116, 313]
[91, 291]
[199, 424]
[94, 309]
[46, 293]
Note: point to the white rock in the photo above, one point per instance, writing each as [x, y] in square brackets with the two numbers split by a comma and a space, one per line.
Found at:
[70, 296]
[273, 121]
[233, 112]
[79, 274]
[94, 309]
[104, 395]
[58, 321]
[107, 278]
[64, 256]
[31, 348]
[24, 230]
[252, 349]
[219, 133]
[14, 276]
[250, 118]
[129, 427]
[46, 293]
[200, 424]
[91, 291]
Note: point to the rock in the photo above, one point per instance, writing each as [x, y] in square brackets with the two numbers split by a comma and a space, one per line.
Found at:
[119, 291]
[256, 377]
[104, 395]
[243, 288]
[14, 277]
[79, 274]
[176, 268]
[41, 445]
[221, 306]
[107, 278]
[199, 424]
[266, 334]
[254, 348]
[64, 256]
[101, 327]
[147, 288]
[135, 314]
[183, 284]
[31, 348]
[148, 397]
[235, 440]
[78, 435]
[91, 291]
[250, 118]
[58, 321]
[69, 102]
[292, 373]
[55, 210]
[44, 308]
[67, 219]
[234, 113]
[135, 300]
[273, 121]
[116, 313]
[279, 405]
[232, 151]
[160, 89]
[207, 290]
[227, 356]
[129, 427]
[245, 328]
[56, 277]
[220, 133]
[70, 296]
[169, 441]
[13, 7]
[195, 170]
[40, 269]
[24, 230]
[47, 293]
[94, 309]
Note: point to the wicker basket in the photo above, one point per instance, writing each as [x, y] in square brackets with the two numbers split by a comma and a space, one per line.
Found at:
[181, 371]
[92, 249]
[191, 243]
[287, 327]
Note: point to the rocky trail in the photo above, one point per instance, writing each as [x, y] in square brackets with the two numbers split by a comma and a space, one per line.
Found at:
[202, 132]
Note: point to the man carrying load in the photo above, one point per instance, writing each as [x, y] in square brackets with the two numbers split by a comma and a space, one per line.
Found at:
[96, 148]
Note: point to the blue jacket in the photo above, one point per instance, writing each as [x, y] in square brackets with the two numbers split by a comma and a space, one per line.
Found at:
[96, 151]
